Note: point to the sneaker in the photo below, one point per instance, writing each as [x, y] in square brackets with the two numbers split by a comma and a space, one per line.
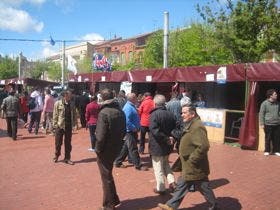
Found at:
[92, 150]
[266, 153]
[277, 153]
[70, 162]
[164, 206]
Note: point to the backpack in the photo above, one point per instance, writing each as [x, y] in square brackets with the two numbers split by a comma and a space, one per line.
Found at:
[31, 103]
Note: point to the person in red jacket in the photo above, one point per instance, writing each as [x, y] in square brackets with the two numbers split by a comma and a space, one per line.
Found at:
[24, 108]
[91, 115]
[144, 111]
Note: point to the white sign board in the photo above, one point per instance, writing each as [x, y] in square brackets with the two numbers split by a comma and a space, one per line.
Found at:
[148, 78]
[103, 78]
[210, 77]
[126, 86]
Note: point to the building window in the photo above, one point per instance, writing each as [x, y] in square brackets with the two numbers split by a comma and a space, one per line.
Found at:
[122, 58]
[130, 56]
[140, 57]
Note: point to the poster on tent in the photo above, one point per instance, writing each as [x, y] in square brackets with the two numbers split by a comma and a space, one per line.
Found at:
[210, 117]
[126, 86]
[222, 75]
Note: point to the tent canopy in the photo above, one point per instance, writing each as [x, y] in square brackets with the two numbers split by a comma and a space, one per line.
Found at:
[234, 73]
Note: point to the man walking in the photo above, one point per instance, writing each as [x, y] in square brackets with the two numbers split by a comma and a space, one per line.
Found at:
[132, 127]
[92, 110]
[64, 118]
[110, 130]
[193, 151]
[35, 108]
[270, 121]
[11, 108]
[162, 122]
[83, 102]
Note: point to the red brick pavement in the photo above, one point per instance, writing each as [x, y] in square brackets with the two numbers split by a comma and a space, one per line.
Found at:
[29, 179]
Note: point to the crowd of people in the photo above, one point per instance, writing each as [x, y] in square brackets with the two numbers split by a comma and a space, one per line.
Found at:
[118, 125]
[115, 121]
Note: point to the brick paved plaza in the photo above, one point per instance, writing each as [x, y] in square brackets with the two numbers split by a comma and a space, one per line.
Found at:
[29, 179]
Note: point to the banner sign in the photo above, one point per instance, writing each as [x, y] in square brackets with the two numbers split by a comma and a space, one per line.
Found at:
[211, 117]
[222, 75]
[100, 62]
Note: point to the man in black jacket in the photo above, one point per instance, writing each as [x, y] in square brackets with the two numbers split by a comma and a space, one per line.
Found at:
[162, 122]
[83, 102]
[110, 131]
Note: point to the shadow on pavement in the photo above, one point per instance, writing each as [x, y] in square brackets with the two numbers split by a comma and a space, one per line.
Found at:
[143, 203]
[87, 160]
[31, 137]
[218, 183]
[225, 203]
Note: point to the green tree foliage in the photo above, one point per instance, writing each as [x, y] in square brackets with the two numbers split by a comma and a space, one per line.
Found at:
[192, 46]
[84, 65]
[153, 55]
[54, 71]
[38, 69]
[8, 67]
[247, 28]
[196, 45]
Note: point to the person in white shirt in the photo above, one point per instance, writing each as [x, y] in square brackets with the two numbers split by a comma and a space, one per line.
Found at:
[35, 112]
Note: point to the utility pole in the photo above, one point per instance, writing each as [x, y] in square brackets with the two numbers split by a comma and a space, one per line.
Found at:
[165, 40]
[63, 64]
[19, 66]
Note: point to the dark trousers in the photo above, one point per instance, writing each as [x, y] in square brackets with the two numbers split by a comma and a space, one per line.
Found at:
[129, 148]
[12, 127]
[67, 133]
[143, 131]
[35, 117]
[82, 117]
[110, 197]
[92, 129]
[272, 135]
[184, 187]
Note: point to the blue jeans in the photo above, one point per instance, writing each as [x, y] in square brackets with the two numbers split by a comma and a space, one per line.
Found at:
[92, 129]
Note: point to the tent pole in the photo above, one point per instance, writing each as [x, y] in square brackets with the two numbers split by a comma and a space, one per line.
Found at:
[246, 87]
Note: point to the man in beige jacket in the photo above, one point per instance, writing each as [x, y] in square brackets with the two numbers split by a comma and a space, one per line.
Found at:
[64, 119]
